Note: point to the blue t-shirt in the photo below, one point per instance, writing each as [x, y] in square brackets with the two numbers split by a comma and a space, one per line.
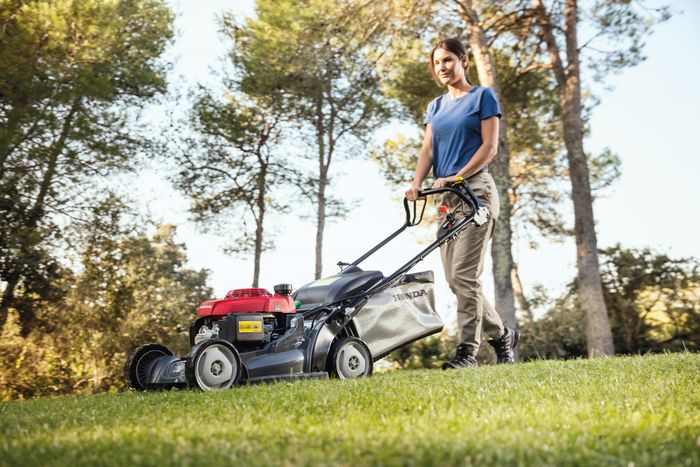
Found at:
[456, 125]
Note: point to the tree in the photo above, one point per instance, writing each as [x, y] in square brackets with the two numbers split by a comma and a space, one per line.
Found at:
[654, 300]
[74, 76]
[314, 59]
[622, 22]
[132, 288]
[559, 334]
[502, 250]
[654, 304]
[230, 168]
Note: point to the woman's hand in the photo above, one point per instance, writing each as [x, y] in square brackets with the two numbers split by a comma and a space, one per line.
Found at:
[441, 182]
[412, 193]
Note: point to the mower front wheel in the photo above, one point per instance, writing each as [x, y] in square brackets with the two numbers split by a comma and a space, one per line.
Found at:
[350, 358]
[139, 363]
[212, 365]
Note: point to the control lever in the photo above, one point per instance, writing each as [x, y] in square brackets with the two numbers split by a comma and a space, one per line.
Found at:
[450, 216]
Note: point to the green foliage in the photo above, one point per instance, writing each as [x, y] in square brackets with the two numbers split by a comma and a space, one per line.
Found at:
[313, 61]
[430, 352]
[614, 411]
[74, 75]
[306, 53]
[397, 158]
[538, 167]
[623, 23]
[230, 166]
[132, 289]
[605, 168]
[407, 79]
[559, 334]
[653, 300]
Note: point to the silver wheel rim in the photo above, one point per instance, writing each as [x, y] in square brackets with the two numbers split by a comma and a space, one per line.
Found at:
[216, 368]
[351, 361]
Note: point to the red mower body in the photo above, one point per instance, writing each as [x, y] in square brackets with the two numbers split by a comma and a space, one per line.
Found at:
[247, 301]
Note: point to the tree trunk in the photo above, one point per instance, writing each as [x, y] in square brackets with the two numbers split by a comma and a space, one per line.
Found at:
[320, 224]
[598, 333]
[590, 288]
[258, 251]
[8, 297]
[259, 219]
[523, 302]
[501, 250]
[10, 125]
[321, 189]
[55, 151]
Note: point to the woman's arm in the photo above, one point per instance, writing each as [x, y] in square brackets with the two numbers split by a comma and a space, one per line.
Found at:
[482, 156]
[425, 162]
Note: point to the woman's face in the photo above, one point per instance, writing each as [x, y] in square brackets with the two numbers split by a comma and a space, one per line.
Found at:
[448, 67]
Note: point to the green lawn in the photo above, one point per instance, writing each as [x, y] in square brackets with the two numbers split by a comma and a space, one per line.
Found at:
[618, 411]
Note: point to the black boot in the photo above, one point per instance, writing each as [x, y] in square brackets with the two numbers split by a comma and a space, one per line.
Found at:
[505, 345]
[462, 359]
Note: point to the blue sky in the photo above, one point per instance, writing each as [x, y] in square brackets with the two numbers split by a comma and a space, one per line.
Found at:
[650, 118]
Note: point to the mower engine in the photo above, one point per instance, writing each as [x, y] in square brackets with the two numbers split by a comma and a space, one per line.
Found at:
[248, 318]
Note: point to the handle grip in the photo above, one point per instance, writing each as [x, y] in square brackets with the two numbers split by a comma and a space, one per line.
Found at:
[465, 193]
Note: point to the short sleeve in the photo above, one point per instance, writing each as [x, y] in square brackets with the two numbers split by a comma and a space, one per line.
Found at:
[429, 113]
[489, 105]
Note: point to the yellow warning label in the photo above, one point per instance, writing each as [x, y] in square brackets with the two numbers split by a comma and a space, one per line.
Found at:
[250, 326]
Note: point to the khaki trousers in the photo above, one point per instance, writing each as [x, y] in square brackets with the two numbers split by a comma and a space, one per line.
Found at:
[463, 260]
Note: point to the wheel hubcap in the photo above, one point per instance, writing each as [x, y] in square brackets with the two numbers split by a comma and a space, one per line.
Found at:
[352, 361]
[216, 368]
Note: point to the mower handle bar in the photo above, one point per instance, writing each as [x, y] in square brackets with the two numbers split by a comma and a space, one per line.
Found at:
[466, 194]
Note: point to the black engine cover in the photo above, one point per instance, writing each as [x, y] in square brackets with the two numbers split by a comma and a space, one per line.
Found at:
[350, 281]
[242, 327]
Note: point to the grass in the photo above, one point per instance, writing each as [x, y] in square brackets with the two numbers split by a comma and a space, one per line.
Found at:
[618, 411]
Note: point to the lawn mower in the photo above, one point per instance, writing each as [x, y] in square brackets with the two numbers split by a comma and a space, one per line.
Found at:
[338, 326]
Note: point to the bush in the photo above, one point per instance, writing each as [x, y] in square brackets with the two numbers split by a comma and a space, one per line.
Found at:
[131, 291]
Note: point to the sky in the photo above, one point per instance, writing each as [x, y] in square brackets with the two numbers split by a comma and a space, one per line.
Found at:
[649, 118]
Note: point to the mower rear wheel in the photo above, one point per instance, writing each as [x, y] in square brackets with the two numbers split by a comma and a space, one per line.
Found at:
[212, 365]
[139, 363]
[350, 358]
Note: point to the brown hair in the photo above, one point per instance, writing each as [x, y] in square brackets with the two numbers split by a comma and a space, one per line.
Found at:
[457, 48]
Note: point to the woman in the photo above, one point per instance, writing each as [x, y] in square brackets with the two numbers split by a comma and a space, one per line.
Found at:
[461, 138]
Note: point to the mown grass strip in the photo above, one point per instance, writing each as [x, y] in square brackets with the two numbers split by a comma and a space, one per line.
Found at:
[617, 411]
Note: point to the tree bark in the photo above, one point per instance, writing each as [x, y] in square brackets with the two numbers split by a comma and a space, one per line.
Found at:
[598, 333]
[320, 226]
[321, 189]
[501, 250]
[55, 151]
[259, 220]
[523, 302]
[8, 297]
